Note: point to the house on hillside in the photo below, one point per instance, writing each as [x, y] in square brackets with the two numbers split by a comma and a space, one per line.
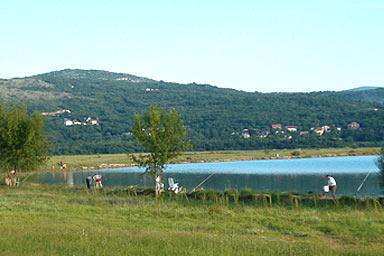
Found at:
[245, 134]
[62, 111]
[264, 134]
[354, 126]
[56, 113]
[319, 130]
[150, 89]
[68, 122]
[291, 128]
[276, 126]
[326, 128]
[92, 121]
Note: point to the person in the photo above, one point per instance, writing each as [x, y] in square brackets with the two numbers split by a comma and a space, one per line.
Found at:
[97, 179]
[159, 185]
[88, 180]
[13, 177]
[331, 185]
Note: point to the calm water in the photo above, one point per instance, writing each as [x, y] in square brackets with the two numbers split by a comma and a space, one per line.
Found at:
[285, 175]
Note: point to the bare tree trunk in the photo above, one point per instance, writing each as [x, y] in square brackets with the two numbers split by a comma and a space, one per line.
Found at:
[156, 191]
[160, 187]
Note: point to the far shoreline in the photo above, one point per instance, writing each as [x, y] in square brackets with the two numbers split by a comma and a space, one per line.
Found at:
[110, 161]
[276, 158]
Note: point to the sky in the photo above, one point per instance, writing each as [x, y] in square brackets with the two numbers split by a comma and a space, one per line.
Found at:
[257, 45]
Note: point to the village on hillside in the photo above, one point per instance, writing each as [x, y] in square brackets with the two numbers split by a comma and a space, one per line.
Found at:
[286, 131]
[70, 122]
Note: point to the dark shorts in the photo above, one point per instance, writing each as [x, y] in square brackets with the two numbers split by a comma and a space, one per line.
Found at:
[332, 188]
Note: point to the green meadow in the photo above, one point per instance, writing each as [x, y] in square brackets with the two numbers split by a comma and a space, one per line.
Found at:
[62, 220]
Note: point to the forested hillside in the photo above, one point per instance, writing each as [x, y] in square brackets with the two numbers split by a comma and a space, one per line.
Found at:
[99, 108]
[366, 94]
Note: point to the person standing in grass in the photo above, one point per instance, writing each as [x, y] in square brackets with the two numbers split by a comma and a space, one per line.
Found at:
[332, 186]
[97, 179]
[88, 180]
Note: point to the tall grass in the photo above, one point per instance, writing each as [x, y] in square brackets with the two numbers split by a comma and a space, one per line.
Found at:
[62, 220]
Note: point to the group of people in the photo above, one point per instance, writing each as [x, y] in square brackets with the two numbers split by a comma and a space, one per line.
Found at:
[11, 179]
[62, 165]
[94, 180]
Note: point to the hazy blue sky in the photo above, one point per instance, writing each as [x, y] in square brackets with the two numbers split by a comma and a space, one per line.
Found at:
[247, 45]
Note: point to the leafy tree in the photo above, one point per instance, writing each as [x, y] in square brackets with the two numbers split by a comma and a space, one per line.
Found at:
[23, 143]
[163, 137]
[380, 164]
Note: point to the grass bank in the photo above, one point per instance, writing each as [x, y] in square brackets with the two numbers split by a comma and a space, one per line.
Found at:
[62, 220]
[78, 162]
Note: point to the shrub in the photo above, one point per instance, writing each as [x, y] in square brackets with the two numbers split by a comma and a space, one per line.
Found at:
[247, 195]
[295, 153]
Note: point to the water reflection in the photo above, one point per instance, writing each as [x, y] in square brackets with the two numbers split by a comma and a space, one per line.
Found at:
[300, 175]
[347, 184]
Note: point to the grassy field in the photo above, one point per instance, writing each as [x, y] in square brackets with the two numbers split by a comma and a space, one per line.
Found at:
[117, 160]
[62, 220]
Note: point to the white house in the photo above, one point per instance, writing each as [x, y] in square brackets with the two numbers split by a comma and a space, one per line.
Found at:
[245, 134]
[291, 128]
[68, 122]
[326, 128]
[319, 130]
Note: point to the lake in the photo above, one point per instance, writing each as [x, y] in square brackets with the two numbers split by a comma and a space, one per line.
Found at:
[301, 175]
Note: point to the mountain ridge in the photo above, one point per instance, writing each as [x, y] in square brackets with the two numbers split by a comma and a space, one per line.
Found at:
[92, 74]
[95, 74]
[364, 88]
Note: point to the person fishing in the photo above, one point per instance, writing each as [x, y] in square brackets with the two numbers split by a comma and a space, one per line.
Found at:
[331, 186]
[88, 180]
[97, 179]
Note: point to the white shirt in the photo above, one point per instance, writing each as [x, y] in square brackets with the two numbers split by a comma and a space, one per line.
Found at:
[97, 176]
[332, 181]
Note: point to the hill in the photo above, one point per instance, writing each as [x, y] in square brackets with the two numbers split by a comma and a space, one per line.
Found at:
[363, 88]
[365, 94]
[90, 111]
[92, 75]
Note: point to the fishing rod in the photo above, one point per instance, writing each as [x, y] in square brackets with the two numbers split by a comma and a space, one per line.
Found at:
[362, 183]
[201, 183]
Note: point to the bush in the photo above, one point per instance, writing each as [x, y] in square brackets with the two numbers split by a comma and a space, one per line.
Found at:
[231, 194]
[247, 195]
[295, 153]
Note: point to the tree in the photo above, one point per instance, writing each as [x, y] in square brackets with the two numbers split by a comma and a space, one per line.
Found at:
[380, 164]
[163, 137]
[23, 143]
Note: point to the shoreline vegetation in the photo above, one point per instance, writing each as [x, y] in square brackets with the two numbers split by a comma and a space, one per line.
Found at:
[107, 161]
